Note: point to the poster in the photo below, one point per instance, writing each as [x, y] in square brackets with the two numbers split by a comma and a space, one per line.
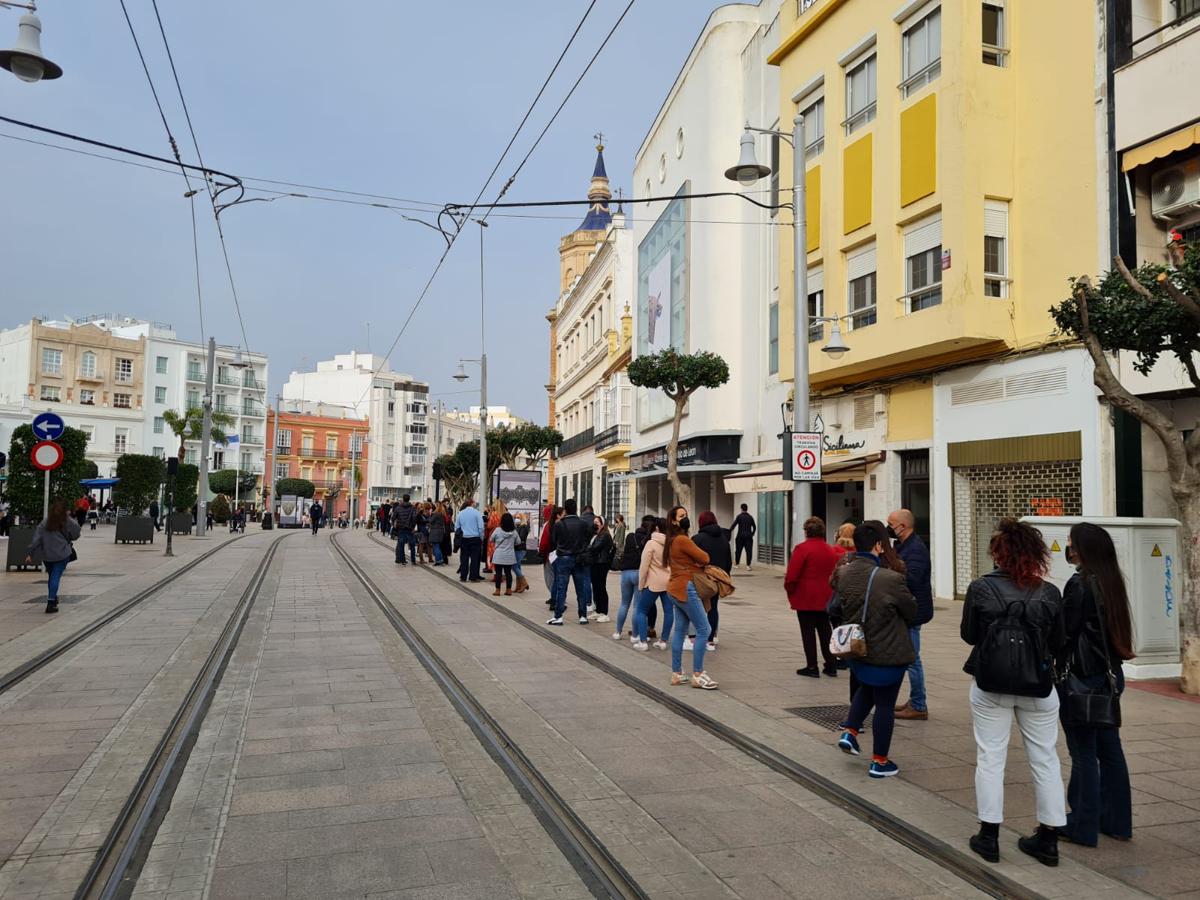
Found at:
[520, 490]
[658, 306]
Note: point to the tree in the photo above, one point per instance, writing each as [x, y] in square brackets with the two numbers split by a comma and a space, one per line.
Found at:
[460, 471]
[140, 476]
[25, 483]
[219, 508]
[187, 480]
[678, 375]
[1152, 311]
[222, 482]
[296, 487]
[537, 442]
[90, 469]
[189, 426]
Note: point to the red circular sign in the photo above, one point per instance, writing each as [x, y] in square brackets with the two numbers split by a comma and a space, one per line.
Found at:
[46, 455]
[806, 460]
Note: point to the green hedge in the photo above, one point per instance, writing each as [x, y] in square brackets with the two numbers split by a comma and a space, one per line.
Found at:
[299, 487]
[140, 477]
[186, 483]
[25, 483]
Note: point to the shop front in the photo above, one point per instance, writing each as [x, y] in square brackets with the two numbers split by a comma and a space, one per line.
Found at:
[703, 461]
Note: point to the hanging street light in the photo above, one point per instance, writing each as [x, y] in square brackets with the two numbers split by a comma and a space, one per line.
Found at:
[25, 60]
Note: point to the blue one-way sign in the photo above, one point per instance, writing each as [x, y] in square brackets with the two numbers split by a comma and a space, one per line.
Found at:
[48, 426]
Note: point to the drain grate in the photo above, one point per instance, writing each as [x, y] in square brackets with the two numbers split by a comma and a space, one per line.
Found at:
[830, 717]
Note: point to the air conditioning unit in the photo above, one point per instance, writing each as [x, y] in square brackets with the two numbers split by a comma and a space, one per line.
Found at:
[1173, 191]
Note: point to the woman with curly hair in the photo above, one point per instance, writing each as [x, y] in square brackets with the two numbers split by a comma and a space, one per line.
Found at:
[1026, 611]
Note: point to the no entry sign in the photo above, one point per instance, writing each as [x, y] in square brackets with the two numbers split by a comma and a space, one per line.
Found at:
[46, 455]
[806, 456]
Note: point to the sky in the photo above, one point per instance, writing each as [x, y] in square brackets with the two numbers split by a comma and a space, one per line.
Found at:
[405, 99]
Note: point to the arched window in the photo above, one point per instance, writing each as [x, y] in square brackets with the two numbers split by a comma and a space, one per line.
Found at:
[87, 364]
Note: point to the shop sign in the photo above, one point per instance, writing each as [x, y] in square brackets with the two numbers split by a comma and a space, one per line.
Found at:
[1047, 506]
[841, 445]
[691, 452]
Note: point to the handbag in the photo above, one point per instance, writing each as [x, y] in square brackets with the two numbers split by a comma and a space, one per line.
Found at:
[1081, 704]
[850, 641]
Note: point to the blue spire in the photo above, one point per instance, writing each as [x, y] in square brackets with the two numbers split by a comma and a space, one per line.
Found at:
[598, 217]
[599, 171]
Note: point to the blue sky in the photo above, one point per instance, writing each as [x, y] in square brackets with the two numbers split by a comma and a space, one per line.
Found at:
[414, 100]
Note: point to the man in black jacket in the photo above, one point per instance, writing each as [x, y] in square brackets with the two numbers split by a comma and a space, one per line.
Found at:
[919, 575]
[570, 537]
[404, 521]
[744, 539]
[314, 515]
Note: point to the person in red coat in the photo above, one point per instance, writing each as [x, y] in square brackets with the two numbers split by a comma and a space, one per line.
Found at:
[808, 591]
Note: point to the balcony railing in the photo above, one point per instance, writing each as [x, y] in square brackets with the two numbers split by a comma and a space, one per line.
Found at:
[229, 380]
[327, 485]
[251, 438]
[253, 409]
[314, 453]
[91, 376]
[195, 374]
[611, 437]
[577, 442]
[253, 383]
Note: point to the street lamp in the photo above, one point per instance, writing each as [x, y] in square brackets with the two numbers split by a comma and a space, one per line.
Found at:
[25, 60]
[460, 376]
[746, 172]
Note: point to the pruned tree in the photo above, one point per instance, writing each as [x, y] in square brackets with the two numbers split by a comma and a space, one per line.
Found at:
[678, 375]
[189, 426]
[222, 481]
[1151, 312]
[460, 471]
[140, 476]
[187, 481]
[295, 487]
[538, 442]
[25, 483]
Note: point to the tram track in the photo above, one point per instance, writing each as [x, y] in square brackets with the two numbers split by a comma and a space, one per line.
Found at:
[596, 866]
[114, 871]
[12, 678]
[958, 863]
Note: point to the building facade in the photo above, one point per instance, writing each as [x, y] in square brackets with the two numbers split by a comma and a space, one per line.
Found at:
[323, 444]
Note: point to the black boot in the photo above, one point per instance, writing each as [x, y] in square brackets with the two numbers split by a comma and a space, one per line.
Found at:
[987, 842]
[1042, 845]
[51, 606]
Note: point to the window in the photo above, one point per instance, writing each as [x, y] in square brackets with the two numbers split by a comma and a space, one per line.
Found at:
[860, 269]
[218, 459]
[124, 371]
[87, 365]
[814, 128]
[1185, 8]
[994, 49]
[816, 303]
[87, 397]
[160, 452]
[306, 443]
[922, 53]
[923, 264]
[51, 361]
[356, 443]
[281, 470]
[195, 372]
[160, 394]
[331, 444]
[160, 365]
[159, 424]
[193, 399]
[995, 249]
[123, 401]
[860, 94]
[773, 339]
[191, 457]
[121, 440]
[248, 436]
[283, 439]
[51, 392]
[391, 409]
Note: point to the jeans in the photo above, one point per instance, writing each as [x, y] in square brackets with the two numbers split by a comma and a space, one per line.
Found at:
[694, 611]
[437, 554]
[403, 539]
[468, 558]
[629, 588]
[747, 544]
[54, 573]
[1098, 792]
[883, 699]
[645, 605]
[566, 570]
[503, 572]
[517, 565]
[814, 628]
[599, 578]
[916, 673]
[1037, 717]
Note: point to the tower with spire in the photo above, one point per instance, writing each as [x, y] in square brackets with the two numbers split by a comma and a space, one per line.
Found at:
[575, 248]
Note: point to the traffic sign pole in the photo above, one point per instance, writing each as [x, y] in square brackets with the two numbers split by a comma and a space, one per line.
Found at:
[46, 498]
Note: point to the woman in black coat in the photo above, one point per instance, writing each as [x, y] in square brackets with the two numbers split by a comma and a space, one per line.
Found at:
[714, 540]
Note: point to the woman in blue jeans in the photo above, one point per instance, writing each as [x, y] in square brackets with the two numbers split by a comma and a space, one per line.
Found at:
[630, 562]
[1099, 638]
[52, 543]
[653, 578]
[685, 559]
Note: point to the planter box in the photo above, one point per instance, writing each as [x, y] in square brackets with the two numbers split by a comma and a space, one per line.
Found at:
[180, 523]
[135, 530]
[19, 539]
[267, 524]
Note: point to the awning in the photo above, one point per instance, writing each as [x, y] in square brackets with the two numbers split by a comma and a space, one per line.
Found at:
[768, 478]
[1185, 137]
[99, 482]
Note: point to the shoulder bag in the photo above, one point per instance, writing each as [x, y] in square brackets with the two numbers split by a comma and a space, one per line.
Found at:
[1084, 706]
[850, 641]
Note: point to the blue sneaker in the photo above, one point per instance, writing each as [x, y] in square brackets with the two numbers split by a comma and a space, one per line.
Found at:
[883, 770]
[849, 744]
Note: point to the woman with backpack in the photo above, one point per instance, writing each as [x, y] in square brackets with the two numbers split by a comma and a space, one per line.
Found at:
[1099, 638]
[600, 551]
[630, 561]
[1013, 620]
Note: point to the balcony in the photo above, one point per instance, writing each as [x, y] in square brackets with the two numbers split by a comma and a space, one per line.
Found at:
[328, 485]
[97, 377]
[249, 437]
[614, 436]
[195, 374]
[253, 409]
[229, 380]
[1161, 60]
[577, 442]
[283, 451]
[314, 453]
[249, 381]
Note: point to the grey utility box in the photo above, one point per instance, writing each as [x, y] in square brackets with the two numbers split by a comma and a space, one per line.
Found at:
[1148, 551]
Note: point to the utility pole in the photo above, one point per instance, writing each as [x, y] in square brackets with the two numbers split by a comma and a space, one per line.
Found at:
[483, 404]
[353, 461]
[205, 441]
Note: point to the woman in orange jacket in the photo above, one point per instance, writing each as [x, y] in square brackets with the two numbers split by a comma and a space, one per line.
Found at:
[685, 559]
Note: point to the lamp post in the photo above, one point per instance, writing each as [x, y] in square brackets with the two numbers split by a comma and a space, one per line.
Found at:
[25, 60]
[461, 376]
[205, 441]
[747, 171]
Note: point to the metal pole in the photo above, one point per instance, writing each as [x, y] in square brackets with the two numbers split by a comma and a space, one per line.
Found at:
[274, 498]
[169, 503]
[45, 497]
[801, 490]
[205, 441]
[483, 405]
[437, 450]
[353, 457]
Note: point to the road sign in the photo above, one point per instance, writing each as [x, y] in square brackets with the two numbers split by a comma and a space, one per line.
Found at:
[46, 455]
[48, 426]
[806, 456]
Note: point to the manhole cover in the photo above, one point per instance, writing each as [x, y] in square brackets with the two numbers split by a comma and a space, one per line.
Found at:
[67, 599]
[831, 717]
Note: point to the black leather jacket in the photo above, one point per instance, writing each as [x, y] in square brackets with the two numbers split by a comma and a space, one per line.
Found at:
[571, 535]
[1081, 619]
[987, 599]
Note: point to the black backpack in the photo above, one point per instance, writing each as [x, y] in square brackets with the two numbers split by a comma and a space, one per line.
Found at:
[1012, 656]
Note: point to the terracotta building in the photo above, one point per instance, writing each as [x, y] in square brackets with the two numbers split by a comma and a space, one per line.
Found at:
[313, 441]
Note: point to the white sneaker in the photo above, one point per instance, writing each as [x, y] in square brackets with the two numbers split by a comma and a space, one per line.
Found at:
[591, 608]
[616, 635]
[583, 620]
[557, 620]
[712, 648]
[603, 618]
[715, 641]
[660, 645]
[633, 639]
[687, 644]
[640, 645]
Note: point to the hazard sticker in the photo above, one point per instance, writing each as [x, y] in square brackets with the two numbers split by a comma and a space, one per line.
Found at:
[1156, 551]
[1054, 548]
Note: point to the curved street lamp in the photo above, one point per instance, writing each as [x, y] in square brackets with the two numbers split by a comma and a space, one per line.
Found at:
[26, 60]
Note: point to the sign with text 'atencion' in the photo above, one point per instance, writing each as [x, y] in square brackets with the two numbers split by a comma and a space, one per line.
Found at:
[806, 456]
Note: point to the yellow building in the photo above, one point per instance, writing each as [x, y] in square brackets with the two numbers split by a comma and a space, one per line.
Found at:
[952, 191]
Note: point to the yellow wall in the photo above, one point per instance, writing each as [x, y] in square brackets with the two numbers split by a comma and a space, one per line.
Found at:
[910, 412]
[1024, 133]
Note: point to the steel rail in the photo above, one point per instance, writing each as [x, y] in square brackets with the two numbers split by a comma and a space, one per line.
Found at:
[596, 866]
[114, 871]
[958, 863]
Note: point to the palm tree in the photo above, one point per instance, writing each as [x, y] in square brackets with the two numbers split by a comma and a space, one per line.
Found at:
[189, 425]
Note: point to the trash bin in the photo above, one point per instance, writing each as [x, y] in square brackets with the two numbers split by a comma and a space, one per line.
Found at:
[1148, 551]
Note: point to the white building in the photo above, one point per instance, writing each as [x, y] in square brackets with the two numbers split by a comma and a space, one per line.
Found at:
[703, 283]
[395, 405]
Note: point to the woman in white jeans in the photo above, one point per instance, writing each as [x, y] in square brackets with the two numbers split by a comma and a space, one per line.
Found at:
[1028, 611]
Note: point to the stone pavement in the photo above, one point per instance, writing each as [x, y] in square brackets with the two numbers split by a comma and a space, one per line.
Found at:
[760, 650]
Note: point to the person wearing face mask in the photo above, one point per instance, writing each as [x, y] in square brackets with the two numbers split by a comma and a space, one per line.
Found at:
[919, 575]
[685, 559]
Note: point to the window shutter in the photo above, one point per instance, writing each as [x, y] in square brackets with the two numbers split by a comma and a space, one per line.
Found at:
[816, 279]
[995, 218]
[860, 263]
[923, 236]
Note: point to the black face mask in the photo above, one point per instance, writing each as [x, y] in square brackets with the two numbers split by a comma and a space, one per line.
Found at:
[892, 533]
[686, 524]
[1071, 555]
